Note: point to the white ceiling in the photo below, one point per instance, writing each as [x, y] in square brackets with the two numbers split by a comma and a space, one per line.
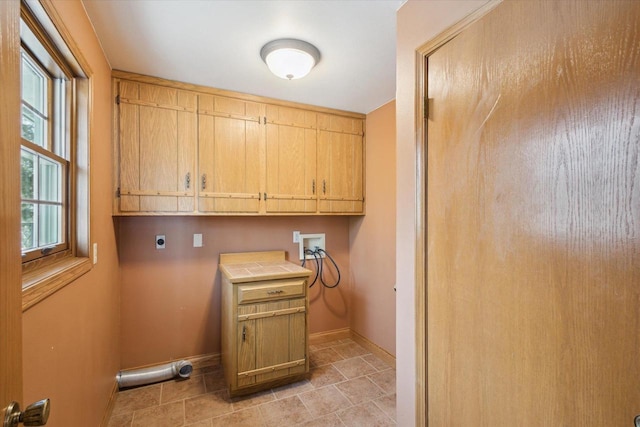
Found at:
[217, 43]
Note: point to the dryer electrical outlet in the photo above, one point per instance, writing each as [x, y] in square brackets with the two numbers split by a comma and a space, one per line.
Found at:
[312, 242]
[160, 241]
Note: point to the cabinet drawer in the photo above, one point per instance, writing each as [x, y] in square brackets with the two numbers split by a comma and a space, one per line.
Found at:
[264, 291]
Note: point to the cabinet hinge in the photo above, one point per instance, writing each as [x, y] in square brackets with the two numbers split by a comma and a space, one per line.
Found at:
[117, 99]
[118, 192]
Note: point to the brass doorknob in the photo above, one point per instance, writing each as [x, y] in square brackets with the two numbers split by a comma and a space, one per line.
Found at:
[36, 414]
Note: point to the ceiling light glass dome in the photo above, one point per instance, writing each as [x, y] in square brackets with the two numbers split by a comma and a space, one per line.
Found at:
[290, 58]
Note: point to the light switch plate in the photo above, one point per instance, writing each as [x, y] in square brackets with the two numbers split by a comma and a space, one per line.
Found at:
[95, 253]
[296, 236]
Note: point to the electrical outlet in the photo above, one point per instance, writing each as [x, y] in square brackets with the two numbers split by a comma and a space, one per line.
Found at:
[296, 236]
[197, 240]
[160, 241]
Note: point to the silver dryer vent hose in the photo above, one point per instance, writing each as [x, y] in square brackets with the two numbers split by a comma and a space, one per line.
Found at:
[154, 374]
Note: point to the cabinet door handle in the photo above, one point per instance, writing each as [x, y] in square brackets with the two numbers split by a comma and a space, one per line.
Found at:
[204, 181]
[187, 180]
[313, 186]
[244, 333]
[265, 197]
[324, 187]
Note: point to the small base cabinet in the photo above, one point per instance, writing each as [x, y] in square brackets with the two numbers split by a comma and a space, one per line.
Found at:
[264, 321]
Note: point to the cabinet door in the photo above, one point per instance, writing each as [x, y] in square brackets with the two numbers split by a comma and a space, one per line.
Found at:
[290, 160]
[340, 164]
[157, 142]
[231, 146]
[272, 341]
[271, 345]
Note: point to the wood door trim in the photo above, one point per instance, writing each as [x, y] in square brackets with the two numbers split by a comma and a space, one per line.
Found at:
[421, 56]
[229, 116]
[274, 313]
[10, 262]
[126, 192]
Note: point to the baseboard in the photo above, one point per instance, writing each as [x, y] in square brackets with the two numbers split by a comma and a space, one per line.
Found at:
[344, 333]
[336, 334]
[204, 360]
[110, 405]
[374, 348]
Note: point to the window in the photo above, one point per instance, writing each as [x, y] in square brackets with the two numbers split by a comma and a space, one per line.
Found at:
[44, 164]
[54, 176]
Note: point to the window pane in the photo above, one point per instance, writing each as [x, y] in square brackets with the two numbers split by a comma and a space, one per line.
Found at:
[49, 225]
[33, 127]
[28, 226]
[49, 181]
[27, 174]
[33, 86]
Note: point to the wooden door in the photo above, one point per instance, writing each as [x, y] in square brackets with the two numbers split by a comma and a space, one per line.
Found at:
[340, 164]
[157, 134]
[533, 195]
[280, 340]
[272, 340]
[291, 160]
[271, 344]
[230, 150]
[10, 287]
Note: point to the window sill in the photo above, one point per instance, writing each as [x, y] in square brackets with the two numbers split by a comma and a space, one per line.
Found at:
[39, 284]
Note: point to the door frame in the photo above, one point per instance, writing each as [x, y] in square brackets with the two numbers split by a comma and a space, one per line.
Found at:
[10, 257]
[422, 102]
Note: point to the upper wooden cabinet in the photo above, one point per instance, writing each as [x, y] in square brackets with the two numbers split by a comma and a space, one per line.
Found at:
[157, 129]
[340, 164]
[182, 149]
[230, 152]
[290, 160]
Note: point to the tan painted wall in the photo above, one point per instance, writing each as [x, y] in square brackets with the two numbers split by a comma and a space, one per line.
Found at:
[372, 237]
[171, 298]
[417, 23]
[71, 346]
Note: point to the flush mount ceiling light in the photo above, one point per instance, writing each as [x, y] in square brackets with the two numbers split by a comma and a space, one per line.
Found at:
[290, 58]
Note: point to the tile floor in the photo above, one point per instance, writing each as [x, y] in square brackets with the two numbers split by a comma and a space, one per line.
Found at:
[349, 387]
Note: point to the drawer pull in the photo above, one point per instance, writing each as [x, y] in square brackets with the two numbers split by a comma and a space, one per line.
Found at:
[278, 291]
